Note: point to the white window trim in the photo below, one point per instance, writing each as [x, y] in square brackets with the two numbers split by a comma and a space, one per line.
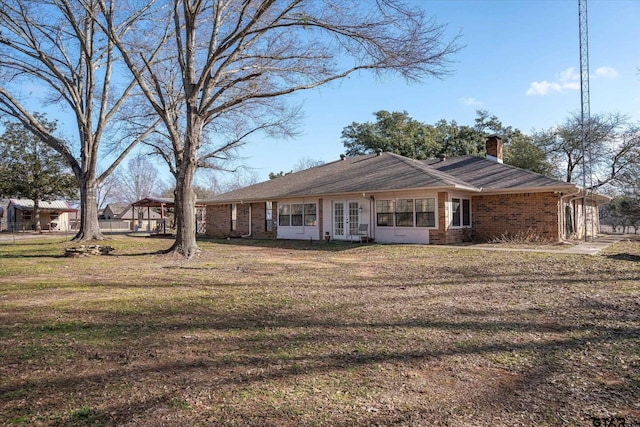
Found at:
[461, 198]
[395, 201]
[296, 202]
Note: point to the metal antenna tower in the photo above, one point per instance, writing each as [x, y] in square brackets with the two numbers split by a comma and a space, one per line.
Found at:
[585, 109]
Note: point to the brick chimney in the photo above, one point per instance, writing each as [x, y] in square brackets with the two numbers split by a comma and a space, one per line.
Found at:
[494, 148]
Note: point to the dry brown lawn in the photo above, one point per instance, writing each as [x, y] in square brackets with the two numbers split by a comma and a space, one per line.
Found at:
[293, 334]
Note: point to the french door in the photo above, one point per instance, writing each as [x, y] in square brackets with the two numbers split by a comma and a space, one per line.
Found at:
[346, 219]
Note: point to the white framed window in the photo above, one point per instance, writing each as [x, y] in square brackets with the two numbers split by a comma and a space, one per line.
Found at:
[310, 215]
[297, 214]
[384, 213]
[284, 215]
[426, 212]
[460, 212]
[404, 213]
[268, 216]
[234, 217]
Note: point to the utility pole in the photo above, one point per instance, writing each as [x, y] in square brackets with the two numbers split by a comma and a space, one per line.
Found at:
[585, 108]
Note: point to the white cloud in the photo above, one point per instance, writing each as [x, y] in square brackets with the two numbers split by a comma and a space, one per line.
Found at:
[607, 72]
[471, 102]
[543, 88]
[569, 75]
[567, 80]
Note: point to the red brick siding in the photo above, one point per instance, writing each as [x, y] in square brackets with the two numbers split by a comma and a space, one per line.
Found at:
[511, 214]
[445, 235]
[259, 221]
[219, 221]
[439, 236]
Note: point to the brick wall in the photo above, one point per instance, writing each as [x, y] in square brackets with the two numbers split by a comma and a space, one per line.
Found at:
[511, 214]
[259, 221]
[439, 236]
[219, 221]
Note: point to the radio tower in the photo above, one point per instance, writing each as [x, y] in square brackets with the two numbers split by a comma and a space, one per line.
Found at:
[585, 113]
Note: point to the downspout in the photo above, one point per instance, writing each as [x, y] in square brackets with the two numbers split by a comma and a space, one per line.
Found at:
[562, 210]
[250, 220]
[372, 218]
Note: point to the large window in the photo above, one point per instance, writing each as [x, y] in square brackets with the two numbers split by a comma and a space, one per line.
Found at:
[384, 213]
[284, 215]
[406, 213]
[425, 212]
[297, 214]
[461, 212]
[310, 214]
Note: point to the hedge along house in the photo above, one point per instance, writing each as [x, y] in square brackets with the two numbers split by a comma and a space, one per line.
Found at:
[394, 199]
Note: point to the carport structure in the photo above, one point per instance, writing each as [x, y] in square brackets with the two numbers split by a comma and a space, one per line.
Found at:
[168, 203]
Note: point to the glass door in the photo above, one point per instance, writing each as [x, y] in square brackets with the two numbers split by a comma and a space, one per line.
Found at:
[346, 220]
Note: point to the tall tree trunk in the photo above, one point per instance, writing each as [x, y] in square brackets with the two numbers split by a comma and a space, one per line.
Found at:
[89, 227]
[185, 212]
[36, 216]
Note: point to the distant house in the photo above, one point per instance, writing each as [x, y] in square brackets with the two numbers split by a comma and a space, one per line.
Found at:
[114, 210]
[394, 199]
[55, 215]
[126, 216]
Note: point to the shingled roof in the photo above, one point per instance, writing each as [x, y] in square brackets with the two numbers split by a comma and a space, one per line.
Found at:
[490, 175]
[392, 172]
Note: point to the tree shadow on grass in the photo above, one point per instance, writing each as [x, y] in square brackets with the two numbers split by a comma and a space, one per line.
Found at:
[261, 360]
[301, 245]
[624, 257]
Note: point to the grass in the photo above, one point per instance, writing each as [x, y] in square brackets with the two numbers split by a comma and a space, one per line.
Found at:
[299, 334]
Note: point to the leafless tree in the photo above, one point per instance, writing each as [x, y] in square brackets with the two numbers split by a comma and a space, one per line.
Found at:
[611, 152]
[306, 163]
[54, 46]
[138, 179]
[218, 182]
[108, 190]
[229, 63]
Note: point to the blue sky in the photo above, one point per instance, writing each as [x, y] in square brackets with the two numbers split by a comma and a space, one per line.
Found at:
[520, 61]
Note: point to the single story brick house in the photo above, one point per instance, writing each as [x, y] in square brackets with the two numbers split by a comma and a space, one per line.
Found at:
[393, 199]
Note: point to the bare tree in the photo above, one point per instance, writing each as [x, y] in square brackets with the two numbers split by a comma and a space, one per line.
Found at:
[55, 45]
[229, 63]
[612, 149]
[138, 179]
[306, 163]
[108, 190]
[217, 182]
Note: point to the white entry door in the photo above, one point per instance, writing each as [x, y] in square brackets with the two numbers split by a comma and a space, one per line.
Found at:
[346, 220]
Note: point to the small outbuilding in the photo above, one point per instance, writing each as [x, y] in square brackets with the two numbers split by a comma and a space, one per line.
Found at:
[56, 215]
